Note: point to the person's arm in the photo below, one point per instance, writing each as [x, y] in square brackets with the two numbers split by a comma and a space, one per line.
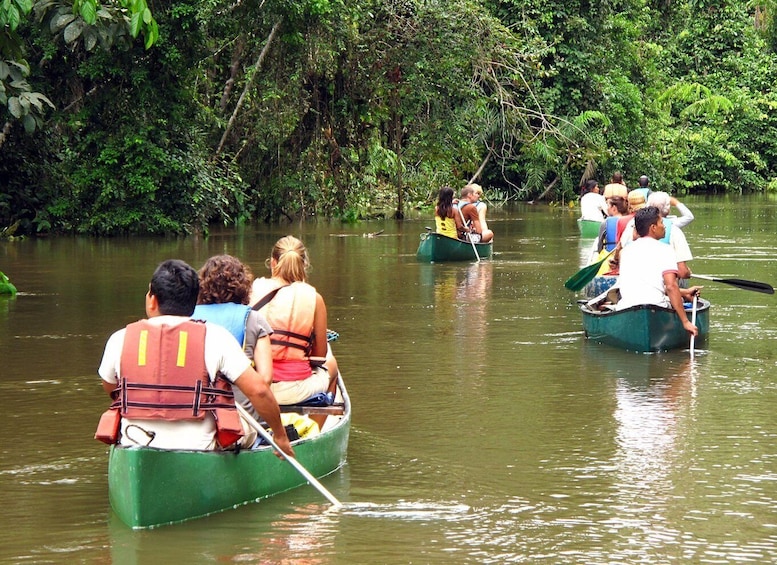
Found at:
[263, 400]
[676, 300]
[686, 216]
[689, 293]
[475, 219]
[263, 359]
[482, 215]
[319, 328]
[109, 388]
[683, 271]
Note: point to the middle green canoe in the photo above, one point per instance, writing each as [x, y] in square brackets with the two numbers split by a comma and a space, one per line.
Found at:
[643, 328]
[152, 487]
[437, 248]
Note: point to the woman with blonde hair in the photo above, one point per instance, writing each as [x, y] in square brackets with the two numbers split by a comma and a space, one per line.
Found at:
[303, 365]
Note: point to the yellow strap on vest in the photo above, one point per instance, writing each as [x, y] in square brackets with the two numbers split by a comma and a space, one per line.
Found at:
[142, 346]
[183, 337]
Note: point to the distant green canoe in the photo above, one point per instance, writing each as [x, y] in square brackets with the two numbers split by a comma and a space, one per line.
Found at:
[437, 248]
[643, 328]
[589, 229]
[152, 487]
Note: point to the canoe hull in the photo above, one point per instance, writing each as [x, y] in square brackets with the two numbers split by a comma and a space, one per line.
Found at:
[643, 328]
[437, 248]
[151, 487]
[589, 229]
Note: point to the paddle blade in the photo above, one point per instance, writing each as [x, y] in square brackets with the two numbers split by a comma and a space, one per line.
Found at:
[585, 275]
[755, 286]
[749, 285]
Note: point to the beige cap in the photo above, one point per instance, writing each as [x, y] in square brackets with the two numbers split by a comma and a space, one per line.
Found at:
[636, 200]
[615, 189]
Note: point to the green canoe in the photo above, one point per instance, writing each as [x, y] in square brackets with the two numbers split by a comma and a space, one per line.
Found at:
[437, 248]
[643, 328]
[589, 229]
[151, 487]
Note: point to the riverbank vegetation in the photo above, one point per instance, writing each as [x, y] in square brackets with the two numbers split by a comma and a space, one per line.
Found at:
[118, 120]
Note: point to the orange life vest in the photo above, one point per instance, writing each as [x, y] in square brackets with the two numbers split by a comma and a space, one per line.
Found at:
[290, 313]
[164, 377]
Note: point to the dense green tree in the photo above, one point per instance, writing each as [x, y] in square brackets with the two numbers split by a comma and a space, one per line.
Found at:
[290, 108]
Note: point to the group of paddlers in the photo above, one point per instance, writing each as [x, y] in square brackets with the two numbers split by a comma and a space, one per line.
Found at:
[648, 247]
[463, 218]
[213, 338]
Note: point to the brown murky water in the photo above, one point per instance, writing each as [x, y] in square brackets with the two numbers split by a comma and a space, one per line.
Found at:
[485, 429]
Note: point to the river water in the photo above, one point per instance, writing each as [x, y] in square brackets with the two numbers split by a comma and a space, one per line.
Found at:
[486, 429]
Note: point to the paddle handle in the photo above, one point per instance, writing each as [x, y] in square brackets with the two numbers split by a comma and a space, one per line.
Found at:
[693, 321]
[293, 461]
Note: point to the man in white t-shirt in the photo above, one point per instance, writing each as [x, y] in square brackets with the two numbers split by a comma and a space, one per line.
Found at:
[648, 270]
[170, 302]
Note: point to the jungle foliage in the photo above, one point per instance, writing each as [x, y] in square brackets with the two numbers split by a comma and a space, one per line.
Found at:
[117, 120]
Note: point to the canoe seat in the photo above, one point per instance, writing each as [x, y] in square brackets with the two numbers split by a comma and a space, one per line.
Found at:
[336, 409]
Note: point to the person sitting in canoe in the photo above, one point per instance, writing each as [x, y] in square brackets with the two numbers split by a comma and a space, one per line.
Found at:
[616, 186]
[648, 270]
[470, 229]
[486, 234]
[303, 364]
[155, 367]
[225, 290]
[593, 206]
[445, 213]
[617, 207]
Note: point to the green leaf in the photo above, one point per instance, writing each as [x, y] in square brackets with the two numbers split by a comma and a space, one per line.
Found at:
[15, 107]
[24, 5]
[59, 22]
[29, 123]
[89, 11]
[14, 18]
[135, 23]
[73, 31]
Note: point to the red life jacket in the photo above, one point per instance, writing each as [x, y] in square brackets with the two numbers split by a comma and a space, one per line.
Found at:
[164, 377]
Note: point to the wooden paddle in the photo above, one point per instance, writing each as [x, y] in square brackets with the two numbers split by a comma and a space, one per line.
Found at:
[586, 274]
[693, 320]
[739, 283]
[294, 463]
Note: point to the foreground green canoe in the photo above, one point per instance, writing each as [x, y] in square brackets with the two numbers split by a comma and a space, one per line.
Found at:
[589, 229]
[436, 248]
[643, 328]
[151, 487]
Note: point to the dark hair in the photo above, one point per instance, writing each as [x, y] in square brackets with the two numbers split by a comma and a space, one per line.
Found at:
[589, 185]
[223, 278]
[643, 181]
[444, 207]
[617, 177]
[176, 286]
[644, 218]
[620, 203]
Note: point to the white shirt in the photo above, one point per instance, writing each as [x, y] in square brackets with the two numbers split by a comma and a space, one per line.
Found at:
[593, 206]
[677, 240]
[642, 268]
[222, 353]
